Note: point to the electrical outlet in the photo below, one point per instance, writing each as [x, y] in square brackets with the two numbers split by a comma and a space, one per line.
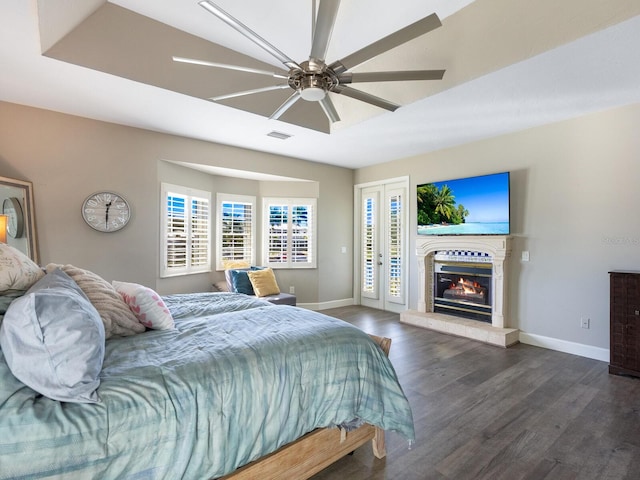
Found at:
[584, 322]
[292, 290]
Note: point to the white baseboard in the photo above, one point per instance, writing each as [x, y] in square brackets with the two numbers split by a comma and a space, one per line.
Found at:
[565, 346]
[346, 302]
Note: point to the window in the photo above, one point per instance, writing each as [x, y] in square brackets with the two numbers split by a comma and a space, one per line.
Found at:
[289, 232]
[235, 229]
[186, 236]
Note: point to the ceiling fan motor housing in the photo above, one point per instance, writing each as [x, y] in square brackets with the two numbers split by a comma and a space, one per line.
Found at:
[313, 80]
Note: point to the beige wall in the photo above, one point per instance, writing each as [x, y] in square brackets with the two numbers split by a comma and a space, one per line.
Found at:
[67, 158]
[574, 207]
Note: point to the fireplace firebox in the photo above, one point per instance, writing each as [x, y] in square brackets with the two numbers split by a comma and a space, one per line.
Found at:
[463, 289]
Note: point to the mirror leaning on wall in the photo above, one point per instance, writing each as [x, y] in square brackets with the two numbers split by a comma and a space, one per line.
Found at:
[16, 203]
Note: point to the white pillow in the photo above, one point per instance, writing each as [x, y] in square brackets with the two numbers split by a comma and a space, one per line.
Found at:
[53, 340]
[17, 271]
[146, 305]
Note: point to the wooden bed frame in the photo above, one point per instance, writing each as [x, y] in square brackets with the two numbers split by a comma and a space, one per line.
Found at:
[316, 450]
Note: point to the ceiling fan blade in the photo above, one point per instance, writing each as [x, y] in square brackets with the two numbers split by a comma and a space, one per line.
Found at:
[329, 109]
[247, 32]
[391, 76]
[366, 97]
[194, 61]
[295, 96]
[248, 92]
[323, 28]
[387, 43]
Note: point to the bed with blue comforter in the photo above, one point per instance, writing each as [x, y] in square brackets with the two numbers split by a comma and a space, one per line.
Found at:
[235, 380]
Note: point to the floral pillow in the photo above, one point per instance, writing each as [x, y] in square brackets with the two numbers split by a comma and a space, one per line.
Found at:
[17, 271]
[147, 306]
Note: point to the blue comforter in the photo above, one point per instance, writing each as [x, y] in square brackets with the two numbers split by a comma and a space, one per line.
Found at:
[237, 379]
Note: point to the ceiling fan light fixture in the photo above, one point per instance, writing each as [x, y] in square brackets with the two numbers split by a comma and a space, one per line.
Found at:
[312, 88]
[313, 94]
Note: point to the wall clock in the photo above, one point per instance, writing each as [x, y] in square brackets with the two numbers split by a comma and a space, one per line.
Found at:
[15, 222]
[106, 211]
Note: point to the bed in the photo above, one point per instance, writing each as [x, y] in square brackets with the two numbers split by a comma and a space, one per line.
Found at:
[236, 386]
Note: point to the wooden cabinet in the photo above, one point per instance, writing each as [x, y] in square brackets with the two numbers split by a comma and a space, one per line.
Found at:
[625, 323]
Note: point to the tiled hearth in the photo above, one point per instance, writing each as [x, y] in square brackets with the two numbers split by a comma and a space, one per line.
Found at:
[495, 333]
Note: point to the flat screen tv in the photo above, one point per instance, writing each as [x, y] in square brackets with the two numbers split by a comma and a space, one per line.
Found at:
[465, 206]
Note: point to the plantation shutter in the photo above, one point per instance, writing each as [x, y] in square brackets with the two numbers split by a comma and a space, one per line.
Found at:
[394, 246]
[278, 243]
[290, 233]
[369, 245]
[200, 240]
[176, 231]
[186, 231]
[301, 234]
[236, 226]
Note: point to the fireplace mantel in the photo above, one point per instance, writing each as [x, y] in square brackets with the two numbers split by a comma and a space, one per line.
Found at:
[499, 248]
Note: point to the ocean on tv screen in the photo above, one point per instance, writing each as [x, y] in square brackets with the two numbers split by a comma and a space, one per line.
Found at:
[489, 228]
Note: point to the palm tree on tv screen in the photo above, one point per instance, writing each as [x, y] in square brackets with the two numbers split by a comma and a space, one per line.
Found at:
[438, 205]
[460, 214]
[444, 203]
[426, 206]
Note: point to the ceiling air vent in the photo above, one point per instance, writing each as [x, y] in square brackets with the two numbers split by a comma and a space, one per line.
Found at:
[280, 135]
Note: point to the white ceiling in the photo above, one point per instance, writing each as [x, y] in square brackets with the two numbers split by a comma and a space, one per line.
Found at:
[599, 70]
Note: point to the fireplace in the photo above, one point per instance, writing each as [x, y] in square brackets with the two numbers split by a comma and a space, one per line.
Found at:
[462, 289]
[449, 264]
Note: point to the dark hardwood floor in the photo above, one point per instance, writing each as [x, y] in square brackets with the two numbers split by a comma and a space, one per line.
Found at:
[483, 412]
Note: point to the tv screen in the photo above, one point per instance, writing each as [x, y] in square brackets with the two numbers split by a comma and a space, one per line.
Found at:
[465, 206]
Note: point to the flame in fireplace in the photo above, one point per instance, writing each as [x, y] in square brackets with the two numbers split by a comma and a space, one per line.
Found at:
[467, 287]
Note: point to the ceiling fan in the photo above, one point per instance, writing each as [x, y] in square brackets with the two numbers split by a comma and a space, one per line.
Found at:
[313, 79]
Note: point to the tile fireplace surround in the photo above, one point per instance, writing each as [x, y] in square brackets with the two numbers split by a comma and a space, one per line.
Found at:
[496, 333]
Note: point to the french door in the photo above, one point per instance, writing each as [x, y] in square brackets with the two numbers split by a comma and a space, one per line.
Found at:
[382, 233]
